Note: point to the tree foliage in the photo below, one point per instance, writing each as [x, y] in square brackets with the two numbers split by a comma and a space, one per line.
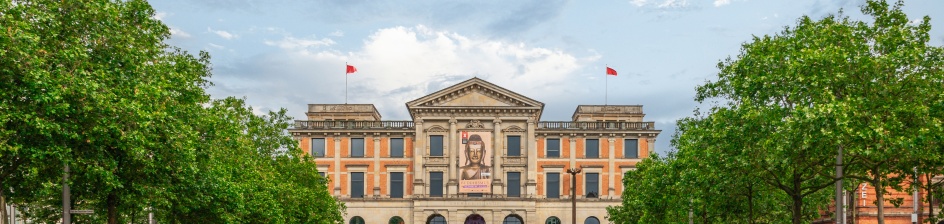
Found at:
[790, 101]
[92, 85]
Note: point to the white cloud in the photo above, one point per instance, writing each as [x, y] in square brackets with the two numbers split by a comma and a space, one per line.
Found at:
[401, 57]
[160, 15]
[216, 46]
[299, 44]
[223, 34]
[175, 32]
[673, 4]
[719, 3]
[661, 4]
[396, 65]
[337, 33]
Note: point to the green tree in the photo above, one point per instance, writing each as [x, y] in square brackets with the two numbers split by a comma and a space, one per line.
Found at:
[252, 172]
[721, 172]
[834, 82]
[91, 85]
[654, 198]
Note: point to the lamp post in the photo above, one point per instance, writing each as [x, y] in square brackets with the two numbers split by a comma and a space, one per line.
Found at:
[573, 191]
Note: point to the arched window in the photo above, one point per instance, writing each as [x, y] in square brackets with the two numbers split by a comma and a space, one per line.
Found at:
[591, 220]
[474, 219]
[356, 220]
[512, 219]
[552, 220]
[396, 220]
[436, 219]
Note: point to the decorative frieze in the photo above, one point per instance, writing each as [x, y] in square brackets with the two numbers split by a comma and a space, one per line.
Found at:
[514, 160]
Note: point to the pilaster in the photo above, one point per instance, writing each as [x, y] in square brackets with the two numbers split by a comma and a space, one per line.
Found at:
[376, 166]
[532, 144]
[497, 173]
[652, 146]
[452, 150]
[337, 166]
[419, 152]
[611, 164]
[573, 150]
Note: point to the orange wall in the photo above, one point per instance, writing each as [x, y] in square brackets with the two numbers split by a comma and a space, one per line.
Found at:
[384, 152]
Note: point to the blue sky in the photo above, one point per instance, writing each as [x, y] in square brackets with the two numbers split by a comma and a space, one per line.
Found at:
[289, 53]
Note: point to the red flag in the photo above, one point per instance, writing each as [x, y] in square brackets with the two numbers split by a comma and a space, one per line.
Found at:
[610, 71]
[351, 69]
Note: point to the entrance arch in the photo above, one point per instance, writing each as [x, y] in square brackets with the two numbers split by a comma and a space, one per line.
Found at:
[474, 219]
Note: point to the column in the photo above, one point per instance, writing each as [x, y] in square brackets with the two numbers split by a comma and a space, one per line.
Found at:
[611, 163]
[337, 166]
[376, 166]
[419, 153]
[497, 174]
[532, 170]
[452, 150]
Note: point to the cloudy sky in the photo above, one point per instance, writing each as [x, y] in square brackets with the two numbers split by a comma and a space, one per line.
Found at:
[289, 53]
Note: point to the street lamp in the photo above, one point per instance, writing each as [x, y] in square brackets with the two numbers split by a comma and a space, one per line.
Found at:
[573, 191]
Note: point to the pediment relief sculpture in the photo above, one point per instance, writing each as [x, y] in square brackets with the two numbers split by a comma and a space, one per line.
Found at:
[436, 128]
[475, 124]
[514, 128]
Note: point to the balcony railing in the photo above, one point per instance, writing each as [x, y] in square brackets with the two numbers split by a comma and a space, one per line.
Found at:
[353, 124]
[583, 125]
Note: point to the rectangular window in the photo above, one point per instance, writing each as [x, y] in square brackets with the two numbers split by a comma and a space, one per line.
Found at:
[435, 145]
[435, 184]
[553, 147]
[514, 184]
[396, 147]
[324, 177]
[357, 147]
[593, 185]
[396, 185]
[592, 148]
[514, 145]
[317, 147]
[631, 148]
[357, 185]
[553, 185]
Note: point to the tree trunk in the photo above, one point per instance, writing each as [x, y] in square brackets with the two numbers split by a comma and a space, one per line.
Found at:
[112, 201]
[797, 199]
[3, 204]
[750, 202]
[879, 195]
[930, 196]
[797, 209]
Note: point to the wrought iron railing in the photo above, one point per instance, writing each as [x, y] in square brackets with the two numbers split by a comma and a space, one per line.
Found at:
[353, 124]
[556, 125]
[591, 125]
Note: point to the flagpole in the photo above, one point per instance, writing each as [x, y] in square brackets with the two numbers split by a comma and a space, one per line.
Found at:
[345, 82]
[606, 88]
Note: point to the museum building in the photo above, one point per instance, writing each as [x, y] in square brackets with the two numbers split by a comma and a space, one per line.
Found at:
[475, 153]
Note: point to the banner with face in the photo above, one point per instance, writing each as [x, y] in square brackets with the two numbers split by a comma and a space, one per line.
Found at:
[475, 167]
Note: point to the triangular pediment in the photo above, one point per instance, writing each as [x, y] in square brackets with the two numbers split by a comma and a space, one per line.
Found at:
[475, 92]
[474, 99]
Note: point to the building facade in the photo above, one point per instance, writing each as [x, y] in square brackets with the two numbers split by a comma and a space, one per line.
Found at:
[475, 153]
[914, 205]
